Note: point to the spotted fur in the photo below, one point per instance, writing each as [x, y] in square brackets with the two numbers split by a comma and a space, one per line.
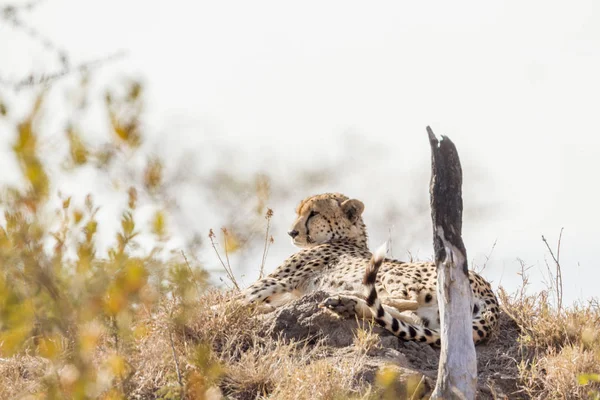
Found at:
[401, 296]
[485, 308]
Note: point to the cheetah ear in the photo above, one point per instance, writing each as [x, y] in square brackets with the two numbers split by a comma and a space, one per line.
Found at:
[353, 209]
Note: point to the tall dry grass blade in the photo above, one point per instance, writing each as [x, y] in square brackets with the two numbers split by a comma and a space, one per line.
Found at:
[226, 267]
[557, 279]
[268, 242]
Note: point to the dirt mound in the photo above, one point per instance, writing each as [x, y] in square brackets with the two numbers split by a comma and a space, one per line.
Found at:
[304, 321]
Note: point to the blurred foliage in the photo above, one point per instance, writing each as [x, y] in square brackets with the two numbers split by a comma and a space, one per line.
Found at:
[61, 299]
[560, 346]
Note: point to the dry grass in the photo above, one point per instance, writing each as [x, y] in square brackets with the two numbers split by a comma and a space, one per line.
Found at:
[223, 353]
[21, 374]
[365, 339]
[220, 353]
[559, 347]
[259, 366]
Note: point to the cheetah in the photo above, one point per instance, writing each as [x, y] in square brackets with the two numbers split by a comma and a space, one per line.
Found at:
[334, 257]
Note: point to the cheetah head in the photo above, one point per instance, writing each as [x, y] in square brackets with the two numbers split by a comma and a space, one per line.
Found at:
[327, 217]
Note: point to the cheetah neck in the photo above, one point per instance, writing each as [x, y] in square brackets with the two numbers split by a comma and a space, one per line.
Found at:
[360, 241]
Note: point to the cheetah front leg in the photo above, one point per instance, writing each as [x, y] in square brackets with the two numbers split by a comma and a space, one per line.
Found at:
[350, 304]
[268, 293]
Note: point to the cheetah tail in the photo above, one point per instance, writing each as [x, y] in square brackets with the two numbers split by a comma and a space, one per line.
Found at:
[402, 329]
[376, 260]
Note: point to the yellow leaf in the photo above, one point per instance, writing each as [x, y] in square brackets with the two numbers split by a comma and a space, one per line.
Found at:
[114, 394]
[140, 332]
[386, 376]
[12, 340]
[117, 365]
[127, 223]
[232, 243]
[115, 300]
[153, 174]
[135, 275]
[49, 347]
[77, 216]
[158, 224]
[584, 379]
[89, 337]
[36, 176]
[77, 149]
[132, 194]
[135, 90]
[414, 387]
[119, 130]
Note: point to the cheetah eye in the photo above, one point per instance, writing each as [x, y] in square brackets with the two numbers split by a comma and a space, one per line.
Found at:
[313, 213]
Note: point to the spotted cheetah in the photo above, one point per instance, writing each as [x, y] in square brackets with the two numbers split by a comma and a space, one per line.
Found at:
[335, 258]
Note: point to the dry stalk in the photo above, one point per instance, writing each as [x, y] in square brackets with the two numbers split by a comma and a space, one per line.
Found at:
[268, 217]
[524, 280]
[225, 233]
[419, 385]
[226, 267]
[177, 369]
[558, 282]
[187, 263]
[488, 256]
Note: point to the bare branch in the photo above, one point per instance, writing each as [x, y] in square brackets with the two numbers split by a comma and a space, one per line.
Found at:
[47, 78]
[487, 258]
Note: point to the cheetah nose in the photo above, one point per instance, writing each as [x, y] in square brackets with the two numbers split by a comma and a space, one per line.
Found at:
[293, 233]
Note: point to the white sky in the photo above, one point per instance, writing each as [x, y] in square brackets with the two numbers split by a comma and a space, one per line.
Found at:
[516, 85]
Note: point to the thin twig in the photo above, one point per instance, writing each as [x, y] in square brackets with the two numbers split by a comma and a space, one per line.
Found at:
[489, 255]
[179, 379]
[416, 391]
[11, 13]
[266, 248]
[558, 278]
[115, 333]
[211, 236]
[225, 247]
[524, 279]
[191, 273]
[559, 281]
[33, 80]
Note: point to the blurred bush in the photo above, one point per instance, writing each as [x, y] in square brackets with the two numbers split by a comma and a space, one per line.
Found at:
[66, 302]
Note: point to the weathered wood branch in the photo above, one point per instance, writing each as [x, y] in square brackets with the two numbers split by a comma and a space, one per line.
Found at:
[457, 371]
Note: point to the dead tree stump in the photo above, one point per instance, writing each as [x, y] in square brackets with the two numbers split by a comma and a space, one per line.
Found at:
[457, 371]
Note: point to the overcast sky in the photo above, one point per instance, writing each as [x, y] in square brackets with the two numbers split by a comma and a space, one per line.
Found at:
[516, 85]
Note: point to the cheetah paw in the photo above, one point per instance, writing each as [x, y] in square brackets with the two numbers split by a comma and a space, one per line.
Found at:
[345, 307]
